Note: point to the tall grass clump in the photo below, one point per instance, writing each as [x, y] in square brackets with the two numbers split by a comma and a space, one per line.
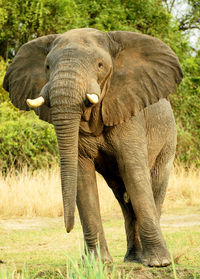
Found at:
[89, 267]
[14, 273]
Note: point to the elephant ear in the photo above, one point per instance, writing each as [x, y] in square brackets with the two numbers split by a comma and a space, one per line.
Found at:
[26, 76]
[144, 71]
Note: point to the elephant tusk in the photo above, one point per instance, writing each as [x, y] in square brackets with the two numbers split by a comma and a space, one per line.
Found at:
[93, 98]
[35, 102]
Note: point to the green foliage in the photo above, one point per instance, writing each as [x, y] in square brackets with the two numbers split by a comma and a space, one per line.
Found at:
[190, 18]
[186, 105]
[25, 140]
[3, 93]
[23, 20]
[132, 15]
[88, 267]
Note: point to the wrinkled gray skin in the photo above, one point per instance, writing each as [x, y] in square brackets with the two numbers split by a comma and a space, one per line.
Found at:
[128, 136]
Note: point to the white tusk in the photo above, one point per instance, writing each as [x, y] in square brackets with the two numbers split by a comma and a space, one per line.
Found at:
[93, 98]
[35, 102]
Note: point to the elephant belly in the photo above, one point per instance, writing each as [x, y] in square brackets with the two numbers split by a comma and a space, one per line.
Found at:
[106, 165]
[157, 122]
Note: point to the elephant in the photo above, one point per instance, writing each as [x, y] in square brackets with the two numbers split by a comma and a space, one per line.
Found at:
[106, 93]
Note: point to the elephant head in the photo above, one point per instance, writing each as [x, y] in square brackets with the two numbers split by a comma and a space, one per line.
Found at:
[84, 80]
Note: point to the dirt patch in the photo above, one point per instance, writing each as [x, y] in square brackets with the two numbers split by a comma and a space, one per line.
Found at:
[189, 220]
[167, 221]
[30, 224]
[142, 272]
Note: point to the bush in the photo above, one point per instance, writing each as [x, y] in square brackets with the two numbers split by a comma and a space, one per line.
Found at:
[25, 140]
[3, 94]
[186, 106]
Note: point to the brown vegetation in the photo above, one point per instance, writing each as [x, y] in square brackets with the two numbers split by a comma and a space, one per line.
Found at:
[39, 194]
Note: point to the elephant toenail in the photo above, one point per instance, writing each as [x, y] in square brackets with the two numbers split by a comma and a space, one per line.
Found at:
[165, 262]
[154, 263]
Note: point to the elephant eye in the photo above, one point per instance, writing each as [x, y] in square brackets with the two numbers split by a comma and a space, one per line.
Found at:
[100, 65]
[47, 67]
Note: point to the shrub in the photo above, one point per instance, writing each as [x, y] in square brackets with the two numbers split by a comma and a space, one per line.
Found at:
[25, 140]
[3, 94]
[186, 106]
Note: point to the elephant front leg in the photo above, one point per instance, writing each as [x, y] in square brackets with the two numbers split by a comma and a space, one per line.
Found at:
[133, 165]
[89, 210]
[138, 185]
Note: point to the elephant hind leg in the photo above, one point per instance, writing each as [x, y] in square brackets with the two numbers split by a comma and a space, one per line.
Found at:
[160, 174]
[134, 247]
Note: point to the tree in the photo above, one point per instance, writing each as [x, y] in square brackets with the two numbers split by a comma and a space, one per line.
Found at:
[21, 21]
[189, 18]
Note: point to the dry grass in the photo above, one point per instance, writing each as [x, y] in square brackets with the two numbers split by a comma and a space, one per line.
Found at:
[184, 188]
[27, 194]
[39, 194]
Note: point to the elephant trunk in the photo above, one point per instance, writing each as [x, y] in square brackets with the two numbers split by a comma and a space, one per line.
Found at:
[66, 98]
[67, 136]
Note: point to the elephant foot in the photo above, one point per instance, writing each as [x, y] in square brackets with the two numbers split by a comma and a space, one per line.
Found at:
[133, 254]
[105, 255]
[156, 257]
[106, 258]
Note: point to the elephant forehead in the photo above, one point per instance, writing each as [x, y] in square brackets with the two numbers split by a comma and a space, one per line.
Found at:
[83, 36]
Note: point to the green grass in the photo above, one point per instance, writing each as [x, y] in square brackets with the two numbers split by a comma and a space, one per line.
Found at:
[40, 248]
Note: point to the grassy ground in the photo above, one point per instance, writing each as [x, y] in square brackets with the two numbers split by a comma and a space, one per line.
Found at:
[42, 245]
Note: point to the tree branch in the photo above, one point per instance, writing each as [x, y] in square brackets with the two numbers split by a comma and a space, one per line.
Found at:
[166, 4]
[171, 6]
